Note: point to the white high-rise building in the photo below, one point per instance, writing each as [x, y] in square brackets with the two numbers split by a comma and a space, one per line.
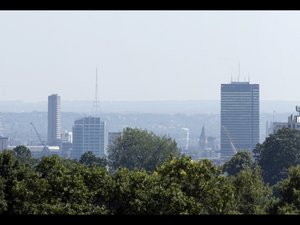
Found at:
[89, 134]
[54, 120]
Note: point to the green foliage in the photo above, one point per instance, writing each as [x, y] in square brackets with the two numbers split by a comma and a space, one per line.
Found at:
[140, 149]
[289, 200]
[3, 203]
[131, 193]
[100, 185]
[202, 181]
[240, 161]
[251, 194]
[138, 192]
[67, 192]
[88, 159]
[23, 155]
[22, 152]
[179, 186]
[278, 152]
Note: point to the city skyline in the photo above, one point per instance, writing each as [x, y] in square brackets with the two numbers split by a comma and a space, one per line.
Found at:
[147, 55]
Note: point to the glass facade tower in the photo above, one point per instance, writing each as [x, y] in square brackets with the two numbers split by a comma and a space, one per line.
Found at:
[239, 117]
[89, 134]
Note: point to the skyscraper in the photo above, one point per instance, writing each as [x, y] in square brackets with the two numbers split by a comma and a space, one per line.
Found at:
[54, 120]
[239, 117]
[89, 134]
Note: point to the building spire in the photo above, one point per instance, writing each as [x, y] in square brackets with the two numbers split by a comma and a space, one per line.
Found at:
[96, 99]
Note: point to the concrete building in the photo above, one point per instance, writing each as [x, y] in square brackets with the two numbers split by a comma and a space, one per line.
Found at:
[66, 144]
[89, 134]
[293, 122]
[54, 120]
[3, 143]
[239, 117]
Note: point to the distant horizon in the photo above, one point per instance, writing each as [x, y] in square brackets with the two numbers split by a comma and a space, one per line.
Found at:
[160, 100]
[154, 106]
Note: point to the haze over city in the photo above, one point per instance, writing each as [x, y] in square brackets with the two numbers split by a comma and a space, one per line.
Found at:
[147, 55]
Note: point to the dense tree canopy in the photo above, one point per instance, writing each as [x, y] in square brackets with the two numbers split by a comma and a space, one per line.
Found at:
[240, 161]
[175, 186]
[202, 182]
[140, 149]
[252, 196]
[289, 199]
[89, 158]
[277, 153]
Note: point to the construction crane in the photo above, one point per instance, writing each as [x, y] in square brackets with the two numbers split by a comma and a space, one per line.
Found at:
[230, 140]
[38, 135]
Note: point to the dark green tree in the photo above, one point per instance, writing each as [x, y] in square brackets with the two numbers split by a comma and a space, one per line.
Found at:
[67, 192]
[23, 154]
[289, 198]
[138, 192]
[3, 203]
[100, 185]
[277, 153]
[252, 196]
[13, 173]
[201, 181]
[141, 149]
[240, 161]
[89, 158]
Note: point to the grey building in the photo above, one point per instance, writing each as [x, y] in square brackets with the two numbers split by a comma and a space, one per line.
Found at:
[89, 134]
[3, 143]
[239, 117]
[292, 123]
[54, 120]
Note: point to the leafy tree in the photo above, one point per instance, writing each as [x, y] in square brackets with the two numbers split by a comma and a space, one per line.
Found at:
[252, 196]
[277, 153]
[141, 149]
[89, 158]
[100, 185]
[12, 174]
[130, 194]
[23, 154]
[289, 200]
[240, 161]
[3, 203]
[138, 192]
[202, 181]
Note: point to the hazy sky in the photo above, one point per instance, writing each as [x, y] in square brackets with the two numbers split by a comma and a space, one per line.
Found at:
[147, 55]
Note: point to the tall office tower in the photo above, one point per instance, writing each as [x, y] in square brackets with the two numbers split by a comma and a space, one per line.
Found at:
[239, 117]
[89, 134]
[54, 120]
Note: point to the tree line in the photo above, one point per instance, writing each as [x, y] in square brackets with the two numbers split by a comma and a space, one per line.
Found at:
[145, 174]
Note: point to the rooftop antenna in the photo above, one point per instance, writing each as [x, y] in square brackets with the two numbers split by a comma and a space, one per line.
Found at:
[96, 100]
